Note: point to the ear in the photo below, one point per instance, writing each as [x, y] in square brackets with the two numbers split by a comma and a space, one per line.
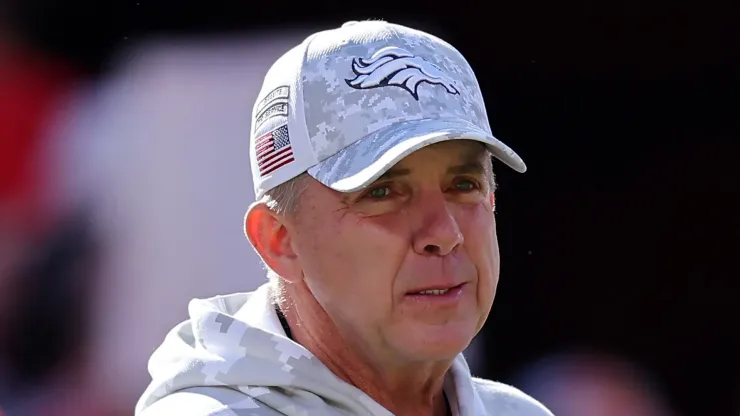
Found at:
[271, 239]
[492, 200]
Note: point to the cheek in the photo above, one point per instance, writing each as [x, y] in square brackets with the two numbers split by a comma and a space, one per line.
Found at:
[478, 226]
[481, 244]
[352, 260]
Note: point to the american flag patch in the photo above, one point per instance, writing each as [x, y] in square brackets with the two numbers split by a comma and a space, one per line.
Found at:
[273, 150]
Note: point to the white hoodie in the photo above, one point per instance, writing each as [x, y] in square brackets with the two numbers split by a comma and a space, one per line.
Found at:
[232, 357]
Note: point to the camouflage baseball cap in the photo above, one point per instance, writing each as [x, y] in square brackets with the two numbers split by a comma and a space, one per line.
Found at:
[349, 103]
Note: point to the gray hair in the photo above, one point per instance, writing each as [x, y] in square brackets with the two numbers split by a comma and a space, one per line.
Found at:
[283, 199]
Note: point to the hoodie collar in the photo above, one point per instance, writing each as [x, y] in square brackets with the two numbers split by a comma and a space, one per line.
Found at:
[259, 312]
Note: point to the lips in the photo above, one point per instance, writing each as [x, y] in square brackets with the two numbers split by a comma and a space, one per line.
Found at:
[434, 289]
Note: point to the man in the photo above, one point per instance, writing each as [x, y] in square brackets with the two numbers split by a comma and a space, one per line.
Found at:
[371, 157]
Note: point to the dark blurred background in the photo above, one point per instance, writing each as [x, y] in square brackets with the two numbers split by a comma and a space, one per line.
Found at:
[619, 292]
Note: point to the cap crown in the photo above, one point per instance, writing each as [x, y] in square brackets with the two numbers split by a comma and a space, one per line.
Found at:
[340, 85]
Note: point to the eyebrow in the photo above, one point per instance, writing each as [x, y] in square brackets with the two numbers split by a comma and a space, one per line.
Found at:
[471, 167]
[393, 173]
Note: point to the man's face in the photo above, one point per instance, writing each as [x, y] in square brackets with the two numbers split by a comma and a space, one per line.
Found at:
[427, 224]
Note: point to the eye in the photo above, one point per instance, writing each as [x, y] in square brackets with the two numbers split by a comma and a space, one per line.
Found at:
[379, 192]
[465, 185]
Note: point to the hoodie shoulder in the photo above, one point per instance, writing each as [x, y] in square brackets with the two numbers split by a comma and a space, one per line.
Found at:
[505, 400]
[208, 401]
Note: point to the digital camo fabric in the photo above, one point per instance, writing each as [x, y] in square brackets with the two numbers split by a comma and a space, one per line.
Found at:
[373, 86]
[343, 91]
[220, 347]
[232, 357]
[379, 74]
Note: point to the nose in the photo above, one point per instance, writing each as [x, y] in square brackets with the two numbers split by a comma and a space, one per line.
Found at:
[437, 232]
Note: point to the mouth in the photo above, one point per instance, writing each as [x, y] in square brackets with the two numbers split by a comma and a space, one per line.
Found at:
[441, 291]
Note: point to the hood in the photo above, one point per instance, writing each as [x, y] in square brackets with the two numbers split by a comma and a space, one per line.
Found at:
[237, 341]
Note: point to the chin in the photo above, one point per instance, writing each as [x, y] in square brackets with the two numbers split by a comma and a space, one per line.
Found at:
[438, 342]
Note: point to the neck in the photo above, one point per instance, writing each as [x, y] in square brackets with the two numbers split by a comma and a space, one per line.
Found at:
[402, 388]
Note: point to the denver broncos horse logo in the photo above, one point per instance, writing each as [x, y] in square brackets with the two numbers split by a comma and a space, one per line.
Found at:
[394, 66]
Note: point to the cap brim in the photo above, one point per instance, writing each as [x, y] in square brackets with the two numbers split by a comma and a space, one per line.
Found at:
[361, 163]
